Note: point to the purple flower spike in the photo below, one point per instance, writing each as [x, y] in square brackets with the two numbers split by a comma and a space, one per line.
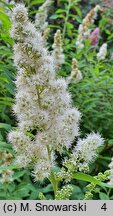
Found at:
[94, 36]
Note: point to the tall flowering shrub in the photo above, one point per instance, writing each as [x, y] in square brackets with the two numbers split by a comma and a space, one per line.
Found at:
[47, 121]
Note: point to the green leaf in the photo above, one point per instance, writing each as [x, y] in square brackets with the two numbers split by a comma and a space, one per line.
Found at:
[2, 197]
[5, 20]
[36, 2]
[18, 174]
[47, 189]
[7, 99]
[5, 145]
[111, 198]
[77, 193]
[15, 197]
[1, 8]
[23, 190]
[2, 78]
[30, 134]
[54, 26]
[33, 12]
[61, 11]
[34, 195]
[102, 184]
[78, 11]
[78, 18]
[103, 196]
[55, 16]
[88, 178]
[5, 37]
[6, 103]
[5, 126]
[11, 167]
[85, 177]
[69, 25]
[104, 158]
[7, 4]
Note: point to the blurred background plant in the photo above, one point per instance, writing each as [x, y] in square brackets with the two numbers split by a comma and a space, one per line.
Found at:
[93, 94]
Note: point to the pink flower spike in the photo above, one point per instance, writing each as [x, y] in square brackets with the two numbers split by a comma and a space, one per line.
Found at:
[95, 36]
[112, 56]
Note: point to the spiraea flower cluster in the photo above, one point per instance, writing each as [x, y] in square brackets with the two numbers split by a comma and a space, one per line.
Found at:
[57, 53]
[42, 103]
[76, 74]
[6, 160]
[84, 30]
[83, 154]
[41, 17]
[46, 119]
[101, 55]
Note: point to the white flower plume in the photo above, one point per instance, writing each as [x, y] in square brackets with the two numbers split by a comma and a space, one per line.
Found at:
[101, 55]
[57, 53]
[41, 17]
[42, 102]
[87, 148]
[83, 29]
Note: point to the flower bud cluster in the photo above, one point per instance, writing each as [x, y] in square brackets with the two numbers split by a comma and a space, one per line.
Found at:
[92, 187]
[64, 193]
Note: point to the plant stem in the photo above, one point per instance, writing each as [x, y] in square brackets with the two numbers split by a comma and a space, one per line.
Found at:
[52, 177]
[39, 100]
[53, 182]
[109, 191]
[66, 18]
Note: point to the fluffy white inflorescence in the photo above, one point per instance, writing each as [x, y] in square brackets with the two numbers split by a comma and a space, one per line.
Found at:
[111, 172]
[83, 29]
[101, 55]
[57, 53]
[76, 74]
[87, 147]
[6, 176]
[83, 154]
[46, 119]
[42, 102]
[41, 170]
[41, 17]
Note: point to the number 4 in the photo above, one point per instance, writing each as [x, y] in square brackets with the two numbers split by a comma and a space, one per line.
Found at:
[104, 207]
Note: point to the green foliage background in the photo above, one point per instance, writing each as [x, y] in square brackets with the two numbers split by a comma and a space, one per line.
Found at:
[93, 95]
